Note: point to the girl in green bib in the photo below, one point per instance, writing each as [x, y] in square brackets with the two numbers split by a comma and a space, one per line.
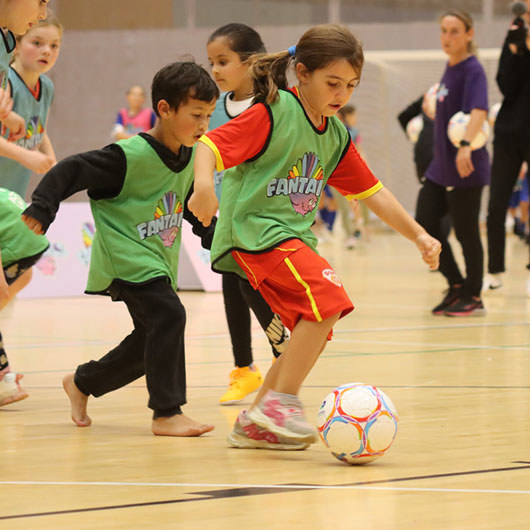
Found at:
[32, 92]
[138, 191]
[277, 157]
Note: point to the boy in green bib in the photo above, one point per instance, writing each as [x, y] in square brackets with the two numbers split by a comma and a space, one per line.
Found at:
[138, 191]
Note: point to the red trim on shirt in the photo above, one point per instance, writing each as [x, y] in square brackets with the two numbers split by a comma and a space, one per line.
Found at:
[35, 93]
[352, 165]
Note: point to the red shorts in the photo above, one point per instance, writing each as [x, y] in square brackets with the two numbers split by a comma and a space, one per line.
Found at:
[296, 282]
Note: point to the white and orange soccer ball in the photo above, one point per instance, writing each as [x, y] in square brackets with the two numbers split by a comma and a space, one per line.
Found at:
[456, 129]
[357, 423]
[414, 128]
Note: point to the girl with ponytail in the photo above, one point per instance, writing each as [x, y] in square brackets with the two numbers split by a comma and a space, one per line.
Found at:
[278, 156]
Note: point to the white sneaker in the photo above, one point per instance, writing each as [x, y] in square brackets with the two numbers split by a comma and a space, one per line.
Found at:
[492, 282]
[10, 389]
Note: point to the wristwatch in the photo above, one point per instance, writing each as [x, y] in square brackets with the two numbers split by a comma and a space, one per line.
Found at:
[464, 143]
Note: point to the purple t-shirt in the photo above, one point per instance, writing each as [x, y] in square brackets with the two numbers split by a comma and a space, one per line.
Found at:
[463, 87]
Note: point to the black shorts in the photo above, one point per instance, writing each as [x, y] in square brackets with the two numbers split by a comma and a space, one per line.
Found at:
[15, 270]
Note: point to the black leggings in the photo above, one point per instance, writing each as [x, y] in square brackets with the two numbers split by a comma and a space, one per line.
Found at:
[155, 348]
[239, 296]
[507, 160]
[463, 205]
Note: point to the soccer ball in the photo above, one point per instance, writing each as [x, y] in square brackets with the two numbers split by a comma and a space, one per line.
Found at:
[492, 114]
[430, 99]
[457, 127]
[414, 128]
[357, 423]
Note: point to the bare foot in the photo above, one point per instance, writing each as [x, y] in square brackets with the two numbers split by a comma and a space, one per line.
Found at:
[179, 425]
[78, 402]
[17, 394]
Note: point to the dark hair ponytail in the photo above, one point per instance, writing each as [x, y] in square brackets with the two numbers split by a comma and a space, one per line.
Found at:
[317, 48]
[242, 39]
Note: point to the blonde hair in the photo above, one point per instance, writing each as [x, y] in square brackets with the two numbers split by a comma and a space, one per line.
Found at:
[467, 20]
[317, 48]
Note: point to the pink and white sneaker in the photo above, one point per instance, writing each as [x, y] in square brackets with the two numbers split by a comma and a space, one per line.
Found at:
[10, 389]
[283, 415]
[248, 435]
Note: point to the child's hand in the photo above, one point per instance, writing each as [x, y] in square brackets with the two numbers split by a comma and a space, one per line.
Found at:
[37, 161]
[16, 126]
[33, 224]
[6, 105]
[203, 205]
[430, 249]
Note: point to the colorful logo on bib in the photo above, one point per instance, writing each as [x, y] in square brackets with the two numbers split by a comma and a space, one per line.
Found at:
[331, 276]
[303, 185]
[34, 134]
[87, 234]
[167, 221]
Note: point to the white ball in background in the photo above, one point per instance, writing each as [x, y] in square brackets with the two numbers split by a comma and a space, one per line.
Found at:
[456, 129]
[430, 99]
[414, 128]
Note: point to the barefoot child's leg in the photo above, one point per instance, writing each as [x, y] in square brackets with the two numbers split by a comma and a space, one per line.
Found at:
[78, 402]
[179, 425]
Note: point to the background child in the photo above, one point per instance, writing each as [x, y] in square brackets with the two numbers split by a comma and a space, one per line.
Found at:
[20, 249]
[138, 191]
[32, 92]
[296, 145]
[229, 49]
[135, 118]
[15, 19]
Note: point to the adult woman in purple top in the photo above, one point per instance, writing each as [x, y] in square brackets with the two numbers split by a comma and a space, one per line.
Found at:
[456, 176]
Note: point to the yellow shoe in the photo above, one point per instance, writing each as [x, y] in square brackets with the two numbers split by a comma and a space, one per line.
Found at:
[243, 381]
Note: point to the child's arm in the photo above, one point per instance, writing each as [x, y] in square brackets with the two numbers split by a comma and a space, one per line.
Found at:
[33, 160]
[205, 233]
[101, 173]
[46, 147]
[388, 209]
[16, 126]
[203, 202]
[6, 104]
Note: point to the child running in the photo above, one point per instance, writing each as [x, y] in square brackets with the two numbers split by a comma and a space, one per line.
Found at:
[16, 18]
[138, 191]
[20, 249]
[229, 49]
[32, 92]
[283, 150]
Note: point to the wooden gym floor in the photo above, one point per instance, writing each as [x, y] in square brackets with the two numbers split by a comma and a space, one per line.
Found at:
[461, 459]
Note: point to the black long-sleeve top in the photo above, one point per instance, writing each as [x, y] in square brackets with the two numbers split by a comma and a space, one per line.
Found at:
[102, 173]
[424, 148]
[513, 79]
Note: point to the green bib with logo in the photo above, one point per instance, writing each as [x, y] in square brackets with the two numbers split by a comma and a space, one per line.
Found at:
[138, 232]
[274, 197]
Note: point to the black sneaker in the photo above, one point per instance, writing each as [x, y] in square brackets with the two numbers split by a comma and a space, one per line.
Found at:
[467, 306]
[451, 296]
